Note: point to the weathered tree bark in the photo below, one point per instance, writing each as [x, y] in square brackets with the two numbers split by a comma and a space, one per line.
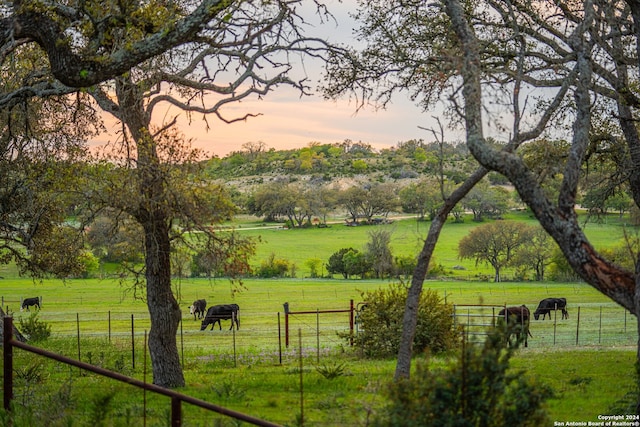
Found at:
[153, 215]
[163, 308]
[410, 315]
[28, 23]
[560, 219]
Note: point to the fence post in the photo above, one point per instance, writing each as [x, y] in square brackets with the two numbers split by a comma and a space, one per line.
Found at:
[578, 326]
[455, 318]
[109, 325]
[8, 362]
[176, 412]
[181, 341]
[555, 322]
[351, 323]
[144, 378]
[133, 346]
[318, 335]
[286, 324]
[279, 340]
[301, 377]
[600, 328]
[78, 333]
[233, 332]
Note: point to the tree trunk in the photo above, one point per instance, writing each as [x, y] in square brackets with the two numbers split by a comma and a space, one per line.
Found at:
[410, 318]
[163, 308]
[152, 213]
[559, 219]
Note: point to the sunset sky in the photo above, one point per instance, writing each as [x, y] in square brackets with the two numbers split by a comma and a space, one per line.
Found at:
[288, 121]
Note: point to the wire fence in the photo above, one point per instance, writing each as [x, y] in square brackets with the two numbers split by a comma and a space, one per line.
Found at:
[587, 325]
[317, 336]
[262, 337]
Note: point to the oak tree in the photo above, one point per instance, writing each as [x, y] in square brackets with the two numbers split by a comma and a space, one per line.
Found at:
[597, 42]
[131, 57]
[495, 243]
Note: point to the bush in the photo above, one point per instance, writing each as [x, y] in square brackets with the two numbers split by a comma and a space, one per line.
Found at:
[35, 329]
[478, 390]
[380, 323]
[275, 267]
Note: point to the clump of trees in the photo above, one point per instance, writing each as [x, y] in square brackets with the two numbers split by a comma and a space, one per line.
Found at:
[508, 244]
[376, 260]
[380, 323]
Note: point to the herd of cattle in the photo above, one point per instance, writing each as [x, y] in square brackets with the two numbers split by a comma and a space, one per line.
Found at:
[215, 314]
[516, 316]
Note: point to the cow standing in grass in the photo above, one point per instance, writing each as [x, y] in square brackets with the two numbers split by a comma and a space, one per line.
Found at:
[517, 321]
[198, 308]
[548, 304]
[30, 302]
[216, 313]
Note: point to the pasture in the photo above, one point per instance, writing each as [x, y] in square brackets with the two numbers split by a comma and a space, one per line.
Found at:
[407, 238]
[250, 370]
[588, 359]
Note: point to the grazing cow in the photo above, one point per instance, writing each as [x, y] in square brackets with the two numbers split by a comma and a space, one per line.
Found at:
[216, 313]
[28, 302]
[198, 308]
[517, 319]
[548, 304]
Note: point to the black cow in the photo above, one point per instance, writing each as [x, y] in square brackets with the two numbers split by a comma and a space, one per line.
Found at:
[548, 304]
[216, 313]
[28, 302]
[517, 319]
[198, 308]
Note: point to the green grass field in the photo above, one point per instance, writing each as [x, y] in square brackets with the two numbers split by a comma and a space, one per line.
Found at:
[299, 245]
[242, 370]
[588, 359]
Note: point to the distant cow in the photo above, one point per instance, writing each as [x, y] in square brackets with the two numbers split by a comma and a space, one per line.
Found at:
[216, 313]
[198, 308]
[548, 304]
[29, 302]
[517, 319]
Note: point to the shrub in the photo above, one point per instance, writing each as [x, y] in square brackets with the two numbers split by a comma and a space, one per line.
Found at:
[275, 267]
[35, 329]
[380, 323]
[478, 390]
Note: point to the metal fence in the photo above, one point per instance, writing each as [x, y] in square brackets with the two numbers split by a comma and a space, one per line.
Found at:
[176, 399]
[261, 338]
[587, 325]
